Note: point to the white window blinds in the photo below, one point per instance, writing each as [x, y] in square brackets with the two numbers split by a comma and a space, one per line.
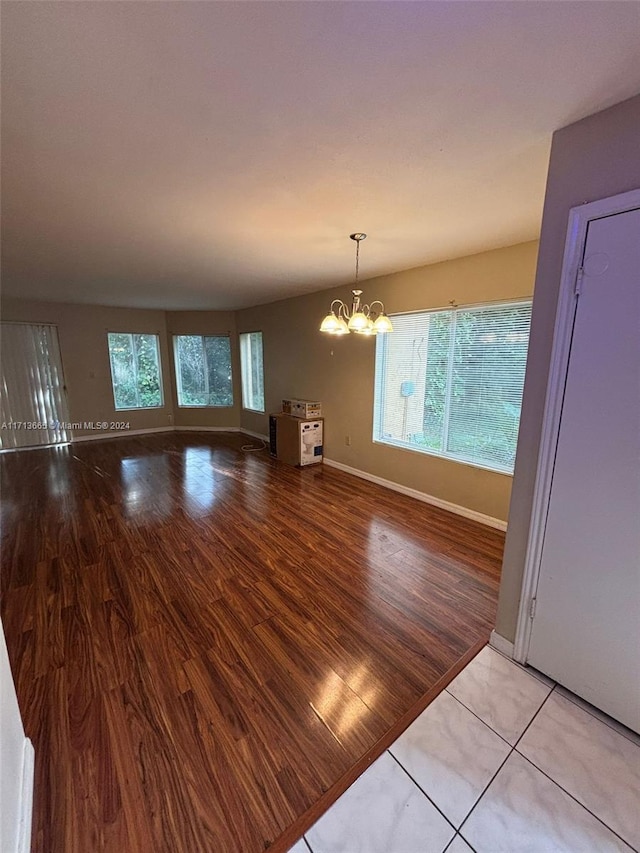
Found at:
[33, 400]
[450, 382]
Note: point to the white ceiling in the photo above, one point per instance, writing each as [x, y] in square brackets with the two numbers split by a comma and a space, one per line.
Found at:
[218, 154]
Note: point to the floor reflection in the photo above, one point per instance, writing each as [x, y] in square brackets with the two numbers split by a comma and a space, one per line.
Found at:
[58, 472]
[146, 486]
[343, 703]
[198, 482]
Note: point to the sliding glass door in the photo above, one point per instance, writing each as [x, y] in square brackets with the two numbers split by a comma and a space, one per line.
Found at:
[33, 402]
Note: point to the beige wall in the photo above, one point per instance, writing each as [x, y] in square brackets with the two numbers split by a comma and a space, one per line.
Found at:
[207, 323]
[82, 331]
[591, 159]
[301, 362]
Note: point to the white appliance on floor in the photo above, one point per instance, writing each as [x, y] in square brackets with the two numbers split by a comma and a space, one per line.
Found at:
[310, 442]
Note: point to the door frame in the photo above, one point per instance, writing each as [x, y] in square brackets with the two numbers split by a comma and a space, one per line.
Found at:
[578, 225]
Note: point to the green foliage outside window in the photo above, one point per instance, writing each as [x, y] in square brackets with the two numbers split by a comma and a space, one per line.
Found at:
[203, 370]
[135, 370]
[469, 365]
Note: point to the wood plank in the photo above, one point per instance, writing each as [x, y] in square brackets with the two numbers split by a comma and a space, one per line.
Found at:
[209, 647]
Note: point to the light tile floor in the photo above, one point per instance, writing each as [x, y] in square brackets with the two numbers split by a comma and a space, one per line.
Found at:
[502, 760]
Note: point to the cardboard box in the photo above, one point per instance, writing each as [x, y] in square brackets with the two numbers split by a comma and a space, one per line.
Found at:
[287, 441]
[302, 408]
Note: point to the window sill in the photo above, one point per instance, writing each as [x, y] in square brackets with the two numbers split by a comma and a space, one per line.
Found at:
[140, 408]
[424, 451]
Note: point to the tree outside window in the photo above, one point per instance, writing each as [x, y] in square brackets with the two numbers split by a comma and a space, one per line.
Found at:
[450, 382]
[135, 370]
[203, 370]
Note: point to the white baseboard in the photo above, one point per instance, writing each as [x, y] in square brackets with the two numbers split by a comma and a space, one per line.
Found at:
[98, 436]
[464, 511]
[501, 644]
[101, 436]
[223, 429]
[206, 429]
[255, 434]
[124, 433]
[26, 798]
[177, 428]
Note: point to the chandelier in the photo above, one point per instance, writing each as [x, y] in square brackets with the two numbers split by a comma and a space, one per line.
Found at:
[361, 319]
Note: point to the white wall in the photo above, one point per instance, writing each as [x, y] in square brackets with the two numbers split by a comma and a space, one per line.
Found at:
[16, 765]
[592, 159]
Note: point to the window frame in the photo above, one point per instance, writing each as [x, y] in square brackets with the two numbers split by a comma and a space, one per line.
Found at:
[155, 335]
[178, 380]
[247, 335]
[380, 362]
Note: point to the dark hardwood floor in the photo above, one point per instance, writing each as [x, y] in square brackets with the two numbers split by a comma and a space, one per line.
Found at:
[208, 645]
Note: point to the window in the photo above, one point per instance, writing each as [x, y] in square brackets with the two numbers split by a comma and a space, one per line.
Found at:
[135, 371]
[450, 382]
[203, 370]
[252, 371]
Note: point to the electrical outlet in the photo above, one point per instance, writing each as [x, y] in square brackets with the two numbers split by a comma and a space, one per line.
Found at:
[347, 440]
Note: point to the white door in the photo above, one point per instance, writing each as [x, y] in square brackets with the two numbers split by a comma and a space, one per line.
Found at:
[586, 628]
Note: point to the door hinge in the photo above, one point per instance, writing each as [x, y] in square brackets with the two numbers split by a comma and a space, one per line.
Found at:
[577, 287]
[532, 608]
